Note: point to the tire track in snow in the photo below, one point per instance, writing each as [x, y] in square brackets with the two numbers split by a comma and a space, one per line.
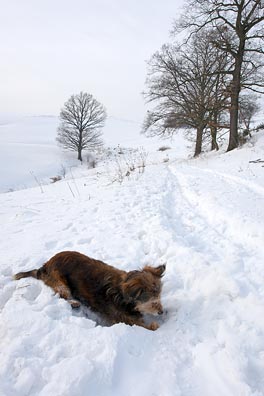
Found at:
[229, 210]
[239, 180]
[234, 195]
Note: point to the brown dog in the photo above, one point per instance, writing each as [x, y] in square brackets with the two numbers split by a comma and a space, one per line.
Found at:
[117, 295]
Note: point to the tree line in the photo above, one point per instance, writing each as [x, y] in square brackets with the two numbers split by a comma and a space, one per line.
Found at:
[209, 80]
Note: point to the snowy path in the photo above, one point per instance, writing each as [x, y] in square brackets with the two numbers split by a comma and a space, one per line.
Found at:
[209, 229]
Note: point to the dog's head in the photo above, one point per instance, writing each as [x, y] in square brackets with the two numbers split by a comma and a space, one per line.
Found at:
[143, 289]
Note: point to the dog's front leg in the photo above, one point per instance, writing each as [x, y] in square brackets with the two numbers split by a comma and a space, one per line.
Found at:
[152, 326]
[140, 322]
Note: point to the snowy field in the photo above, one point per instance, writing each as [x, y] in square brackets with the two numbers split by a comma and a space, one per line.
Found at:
[28, 148]
[203, 217]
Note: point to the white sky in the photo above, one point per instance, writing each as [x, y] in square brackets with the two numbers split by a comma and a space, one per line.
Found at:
[51, 49]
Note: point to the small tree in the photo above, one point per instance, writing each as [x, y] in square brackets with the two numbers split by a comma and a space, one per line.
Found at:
[82, 119]
[248, 108]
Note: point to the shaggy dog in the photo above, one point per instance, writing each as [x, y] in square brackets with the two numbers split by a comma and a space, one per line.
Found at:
[117, 295]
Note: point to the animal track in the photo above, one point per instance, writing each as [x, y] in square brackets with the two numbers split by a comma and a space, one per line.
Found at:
[6, 294]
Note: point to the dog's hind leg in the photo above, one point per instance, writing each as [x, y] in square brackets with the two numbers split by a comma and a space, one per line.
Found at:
[56, 283]
[65, 293]
[74, 303]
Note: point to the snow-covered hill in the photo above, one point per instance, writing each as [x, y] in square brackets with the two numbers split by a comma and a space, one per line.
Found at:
[203, 217]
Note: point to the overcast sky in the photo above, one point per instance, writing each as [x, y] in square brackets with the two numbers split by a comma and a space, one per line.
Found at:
[51, 49]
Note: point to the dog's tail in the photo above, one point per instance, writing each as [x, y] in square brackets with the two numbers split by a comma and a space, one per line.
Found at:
[32, 273]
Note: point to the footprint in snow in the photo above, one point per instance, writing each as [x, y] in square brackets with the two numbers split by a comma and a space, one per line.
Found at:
[18, 231]
[84, 241]
[67, 226]
[6, 294]
[56, 311]
[141, 234]
[23, 263]
[95, 209]
[50, 244]
[73, 230]
[67, 245]
[7, 271]
[30, 291]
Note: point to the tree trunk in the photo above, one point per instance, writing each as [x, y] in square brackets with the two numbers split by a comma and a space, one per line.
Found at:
[80, 145]
[235, 90]
[80, 154]
[199, 139]
[214, 144]
[233, 134]
[213, 130]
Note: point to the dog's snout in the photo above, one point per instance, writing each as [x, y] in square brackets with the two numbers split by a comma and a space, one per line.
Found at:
[150, 307]
[158, 308]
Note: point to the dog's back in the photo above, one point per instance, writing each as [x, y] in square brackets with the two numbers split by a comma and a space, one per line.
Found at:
[87, 279]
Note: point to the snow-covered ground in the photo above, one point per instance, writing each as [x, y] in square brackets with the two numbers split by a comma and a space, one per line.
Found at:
[203, 217]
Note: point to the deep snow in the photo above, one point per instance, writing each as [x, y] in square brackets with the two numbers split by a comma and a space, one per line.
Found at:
[204, 218]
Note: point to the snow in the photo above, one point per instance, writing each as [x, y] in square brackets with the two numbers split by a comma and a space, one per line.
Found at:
[204, 218]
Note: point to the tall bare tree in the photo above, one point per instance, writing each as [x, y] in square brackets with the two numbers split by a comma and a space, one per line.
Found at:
[82, 119]
[240, 33]
[183, 80]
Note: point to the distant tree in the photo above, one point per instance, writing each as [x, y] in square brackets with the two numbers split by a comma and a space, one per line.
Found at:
[248, 107]
[239, 26]
[82, 119]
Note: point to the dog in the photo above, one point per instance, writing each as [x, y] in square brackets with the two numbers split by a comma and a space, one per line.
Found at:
[117, 295]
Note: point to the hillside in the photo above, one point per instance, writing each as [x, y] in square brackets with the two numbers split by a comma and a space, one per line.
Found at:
[204, 218]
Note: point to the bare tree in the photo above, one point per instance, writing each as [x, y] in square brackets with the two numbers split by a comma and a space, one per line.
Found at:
[183, 80]
[82, 119]
[240, 33]
[248, 108]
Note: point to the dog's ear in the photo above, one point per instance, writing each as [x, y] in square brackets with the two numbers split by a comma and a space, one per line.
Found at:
[156, 271]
